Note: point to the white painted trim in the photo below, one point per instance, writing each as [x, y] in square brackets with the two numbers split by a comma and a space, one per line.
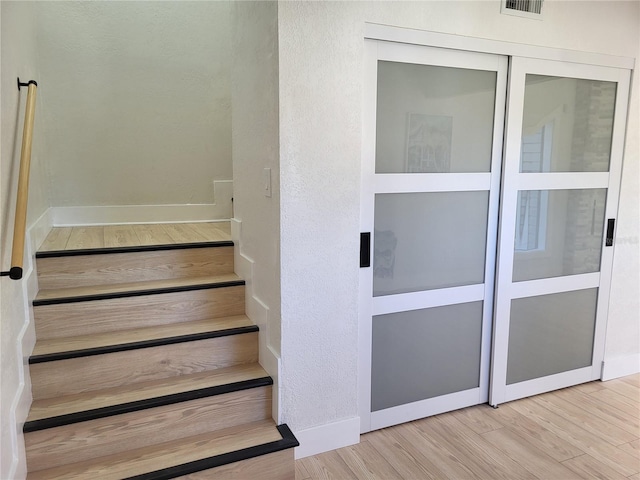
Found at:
[472, 44]
[327, 437]
[139, 214]
[21, 403]
[258, 312]
[221, 210]
[620, 367]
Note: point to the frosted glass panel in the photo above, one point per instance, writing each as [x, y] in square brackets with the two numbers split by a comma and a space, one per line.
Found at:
[424, 241]
[551, 334]
[567, 125]
[425, 353]
[433, 119]
[558, 233]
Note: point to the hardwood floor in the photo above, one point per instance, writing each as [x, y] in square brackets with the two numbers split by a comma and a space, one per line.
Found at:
[74, 238]
[584, 432]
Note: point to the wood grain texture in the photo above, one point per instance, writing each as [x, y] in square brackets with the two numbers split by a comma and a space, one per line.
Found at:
[84, 318]
[158, 332]
[521, 439]
[106, 436]
[273, 466]
[76, 375]
[64, 405]
[115, 268]
[124, 288]
[119, 236]
[165, 455]
[57, 239]
[76, 238]
[85, 237]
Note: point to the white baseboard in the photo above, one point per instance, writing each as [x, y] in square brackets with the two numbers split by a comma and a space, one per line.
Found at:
[327, 437]
[620, 367]
[124, 214]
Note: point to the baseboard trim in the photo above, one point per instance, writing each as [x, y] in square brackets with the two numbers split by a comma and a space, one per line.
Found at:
[327, 437]
[620, 367]
[136, 214]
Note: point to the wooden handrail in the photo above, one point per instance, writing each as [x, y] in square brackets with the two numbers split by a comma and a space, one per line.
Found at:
[20, 225]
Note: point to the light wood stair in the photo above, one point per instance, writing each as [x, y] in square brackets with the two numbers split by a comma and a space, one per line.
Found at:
[146, 367]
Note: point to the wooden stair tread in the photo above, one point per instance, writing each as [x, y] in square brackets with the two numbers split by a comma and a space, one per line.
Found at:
[133, 287]
[96, 399]
[166, 455]
[96, 342]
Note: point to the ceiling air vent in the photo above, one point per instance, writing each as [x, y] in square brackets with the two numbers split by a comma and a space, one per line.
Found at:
[523, 8]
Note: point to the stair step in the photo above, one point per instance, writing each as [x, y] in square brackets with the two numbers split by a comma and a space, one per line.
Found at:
[180, 457]
[118, 314]
[133, 289]
[64, 410]
[100, 266]
[108, 342]
[109, 370]
[80, 441]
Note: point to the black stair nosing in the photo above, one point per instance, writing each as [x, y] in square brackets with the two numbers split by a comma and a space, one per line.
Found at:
[128, 407]
[137, 293]
[132, 249]
[156, 342]
[287, 441]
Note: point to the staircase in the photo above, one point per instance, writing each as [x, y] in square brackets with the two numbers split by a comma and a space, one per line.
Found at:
[146, 367]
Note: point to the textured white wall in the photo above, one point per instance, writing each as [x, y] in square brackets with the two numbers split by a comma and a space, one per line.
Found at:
[321, 65]
[255, 147]
[137, 101]
[19, 59]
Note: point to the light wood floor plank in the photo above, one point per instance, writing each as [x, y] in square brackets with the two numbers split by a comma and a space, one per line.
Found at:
[327, 466]
[181, 233]
[588, 467]
[625, 389]
[366, 462]
[594, 445]
[480, 419]
[57, 239]
[632, 448]
[452, 465]
[577, 413]
[86, 237]
[605, 412]
[633, 380]
[214, 232]
[617, 401]
[545, 440]
[482, 458]
[301, 471]
[152, 235]
[120, 236]
[589, 387]
[533, 459]
[274, 466]
[409, 459]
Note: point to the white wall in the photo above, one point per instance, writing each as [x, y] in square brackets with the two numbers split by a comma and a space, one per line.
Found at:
[255, 147]
[321, 79]
[19, 59]
[137, 101]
